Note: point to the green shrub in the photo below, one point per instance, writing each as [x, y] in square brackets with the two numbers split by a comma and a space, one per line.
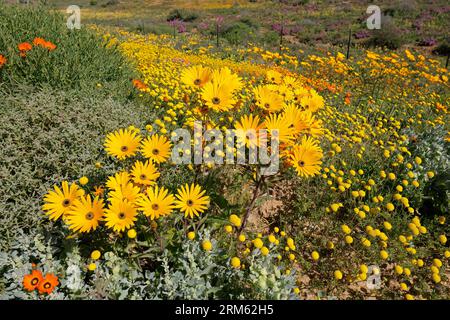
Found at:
[47, 136]
[238, 33]
[443, 49]
[389, 36]
[250, 22]
[405, 8]
[81, 58]
[184, 15]
[110, 3]
[271, 38]
[158, 29]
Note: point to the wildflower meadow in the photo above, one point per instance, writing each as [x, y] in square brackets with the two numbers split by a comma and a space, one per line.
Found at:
[194, 151]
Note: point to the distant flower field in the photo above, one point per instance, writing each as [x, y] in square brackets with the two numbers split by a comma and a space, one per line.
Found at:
[357, 207]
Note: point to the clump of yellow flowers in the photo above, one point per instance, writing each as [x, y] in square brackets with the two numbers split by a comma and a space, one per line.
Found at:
[358, 218]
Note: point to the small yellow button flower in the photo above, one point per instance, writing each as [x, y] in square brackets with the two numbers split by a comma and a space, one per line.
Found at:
[338, 275]
[235, 262]
[436, 277]
[131, 233]
[235, 220]
[84, 180]
[345, 228]
[206, 245]
[387, 225]
[398, 269]
[348, 239]
[258, 243]
[364, 268]
[95, 255]
[191, 235]
[315, 255]
[272, 238]
[437, 263]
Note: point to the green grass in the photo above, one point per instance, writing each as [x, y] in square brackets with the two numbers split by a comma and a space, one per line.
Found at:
[80, 60]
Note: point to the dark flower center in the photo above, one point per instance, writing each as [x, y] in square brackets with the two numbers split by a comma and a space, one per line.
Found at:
[143, 177]
[266, 105]
[47, 285]
[190, 203]
[124, 149]
[122, 216]
[66, 203]
[34, 281]
[155, 152]
[216, 100]
[155, 206]
[301, 163]
[89, 216]
[197, 82]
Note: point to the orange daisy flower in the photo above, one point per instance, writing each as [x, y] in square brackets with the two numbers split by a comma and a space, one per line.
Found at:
[24, 46]
[2, 60]
[49, 45]
[39, 41]
[138, 84]
[48, 284]
[31, 281]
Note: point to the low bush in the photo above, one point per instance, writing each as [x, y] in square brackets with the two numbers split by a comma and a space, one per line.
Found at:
[238, 33]
[389, 36]
[47, 135]
[183, 15]
[79, 58]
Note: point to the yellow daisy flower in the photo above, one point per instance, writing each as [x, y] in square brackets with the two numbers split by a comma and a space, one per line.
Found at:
[120, 215]
[118, 180]
[268, 99]
[156, 202]
[144, 173]
[59, 202]
[128, 192]
[306, 158]
[156, 148]
[191, 200]
[248, 131]
[196, 76]
[85, 214]
[122, 144]
[218, 97]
